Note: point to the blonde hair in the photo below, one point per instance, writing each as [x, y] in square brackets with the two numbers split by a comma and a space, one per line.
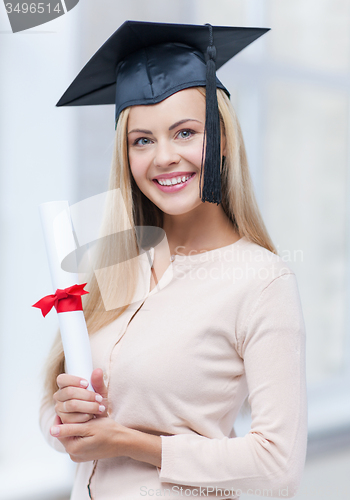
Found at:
[238, 202]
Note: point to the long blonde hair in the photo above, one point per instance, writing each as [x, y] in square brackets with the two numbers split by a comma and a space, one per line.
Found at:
[238, 202]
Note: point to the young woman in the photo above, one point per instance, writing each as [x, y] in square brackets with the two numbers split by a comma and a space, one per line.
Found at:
[220, 320]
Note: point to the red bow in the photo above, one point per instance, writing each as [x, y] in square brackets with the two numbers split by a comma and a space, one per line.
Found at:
[65, 300]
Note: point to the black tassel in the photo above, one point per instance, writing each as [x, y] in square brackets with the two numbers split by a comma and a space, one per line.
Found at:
[212, 179]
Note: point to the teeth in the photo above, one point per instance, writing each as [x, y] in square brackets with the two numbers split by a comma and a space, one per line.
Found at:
[173, 181]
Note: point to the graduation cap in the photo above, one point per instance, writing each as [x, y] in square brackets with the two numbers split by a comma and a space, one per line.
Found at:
[144, 63]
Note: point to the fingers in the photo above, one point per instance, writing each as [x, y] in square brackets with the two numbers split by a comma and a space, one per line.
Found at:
[72, 418]
[68, 430]
[71, 436]
[57, 420]
[98, 384]
[78, 406]
[65, 380]
[74, 404]
[75, 401]
[75, 418]
[72, 392]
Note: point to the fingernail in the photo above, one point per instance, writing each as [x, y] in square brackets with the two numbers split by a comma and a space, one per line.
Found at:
[84, 383]
[102, 408]
[55, 431]
[98, 398]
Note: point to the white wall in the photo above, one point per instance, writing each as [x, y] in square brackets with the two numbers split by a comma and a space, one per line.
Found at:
[38, 158]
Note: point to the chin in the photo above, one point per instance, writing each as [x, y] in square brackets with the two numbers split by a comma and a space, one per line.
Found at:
[176, 209]
[172, 204]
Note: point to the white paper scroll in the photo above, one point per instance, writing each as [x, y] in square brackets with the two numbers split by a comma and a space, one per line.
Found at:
[59, 241]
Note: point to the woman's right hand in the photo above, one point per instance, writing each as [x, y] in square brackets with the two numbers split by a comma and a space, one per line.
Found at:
[76, 404]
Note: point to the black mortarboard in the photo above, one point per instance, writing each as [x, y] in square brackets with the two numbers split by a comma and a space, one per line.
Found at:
[144, 63]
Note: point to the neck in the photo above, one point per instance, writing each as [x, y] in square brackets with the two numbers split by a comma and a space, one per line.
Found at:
[202, 229]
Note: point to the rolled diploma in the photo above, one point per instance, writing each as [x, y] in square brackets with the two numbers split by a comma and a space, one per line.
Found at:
[59, 242]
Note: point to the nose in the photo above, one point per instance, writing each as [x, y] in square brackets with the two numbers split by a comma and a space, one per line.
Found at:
[166, 154]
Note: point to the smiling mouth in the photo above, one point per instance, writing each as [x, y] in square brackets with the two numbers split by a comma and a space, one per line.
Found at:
[174, 181]
[174, 184]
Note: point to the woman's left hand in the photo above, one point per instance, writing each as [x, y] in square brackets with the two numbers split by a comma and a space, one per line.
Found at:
[98, 438]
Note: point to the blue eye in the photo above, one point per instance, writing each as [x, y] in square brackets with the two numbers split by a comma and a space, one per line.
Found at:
[185, 134]
[142, 141]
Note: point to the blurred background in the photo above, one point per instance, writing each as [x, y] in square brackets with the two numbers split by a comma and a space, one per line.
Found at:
[291, 91]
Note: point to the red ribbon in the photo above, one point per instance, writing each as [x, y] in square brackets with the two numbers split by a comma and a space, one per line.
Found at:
[68, 299]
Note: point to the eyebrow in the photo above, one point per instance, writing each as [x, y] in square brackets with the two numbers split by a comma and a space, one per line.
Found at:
[140, 131]
[177, 124]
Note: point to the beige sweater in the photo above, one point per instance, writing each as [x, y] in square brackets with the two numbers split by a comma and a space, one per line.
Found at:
[221, 325]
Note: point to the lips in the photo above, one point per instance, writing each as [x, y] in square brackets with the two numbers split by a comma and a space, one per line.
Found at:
[172, 175]
[174, 187]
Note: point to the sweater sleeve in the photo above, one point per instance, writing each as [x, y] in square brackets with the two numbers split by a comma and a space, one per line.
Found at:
[47, 416]
[270, 458]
